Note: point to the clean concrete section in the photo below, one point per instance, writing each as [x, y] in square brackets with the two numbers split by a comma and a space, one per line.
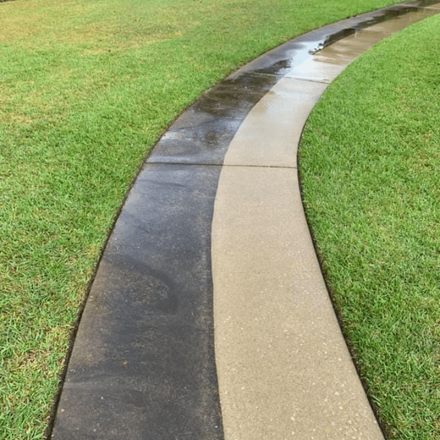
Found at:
[283, 366]
[213, 237]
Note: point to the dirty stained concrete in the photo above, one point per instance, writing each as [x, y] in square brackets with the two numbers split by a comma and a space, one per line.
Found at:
[209, 317]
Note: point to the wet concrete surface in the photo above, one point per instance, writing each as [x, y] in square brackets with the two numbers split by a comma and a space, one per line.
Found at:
[283, 58]
[201, 135]
[143, 363]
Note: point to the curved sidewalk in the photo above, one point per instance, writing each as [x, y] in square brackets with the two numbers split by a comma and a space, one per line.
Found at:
[208, 317]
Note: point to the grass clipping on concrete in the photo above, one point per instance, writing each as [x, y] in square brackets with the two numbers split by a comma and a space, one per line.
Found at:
[370, 170]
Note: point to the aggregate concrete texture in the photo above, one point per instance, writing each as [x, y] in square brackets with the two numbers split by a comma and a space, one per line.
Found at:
[209, 317]
[283, 366]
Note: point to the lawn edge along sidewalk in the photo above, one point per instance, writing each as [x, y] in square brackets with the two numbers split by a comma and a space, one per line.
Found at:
[208, 317]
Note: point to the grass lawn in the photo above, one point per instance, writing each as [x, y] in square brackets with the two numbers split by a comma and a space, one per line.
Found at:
[86, 87]
[370, 170]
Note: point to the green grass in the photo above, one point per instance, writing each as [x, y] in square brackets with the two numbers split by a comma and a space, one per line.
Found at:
[86, 87]
[370, 170]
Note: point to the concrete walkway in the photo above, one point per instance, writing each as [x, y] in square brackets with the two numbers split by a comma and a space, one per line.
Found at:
[209, 317]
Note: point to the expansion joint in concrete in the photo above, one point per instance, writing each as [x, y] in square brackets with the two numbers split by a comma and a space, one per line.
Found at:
[274, 167]
[183, 164]
[307, 80]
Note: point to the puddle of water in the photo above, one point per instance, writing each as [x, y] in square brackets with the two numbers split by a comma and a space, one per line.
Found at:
[413, 12]
[281, 60]
[423, 3]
